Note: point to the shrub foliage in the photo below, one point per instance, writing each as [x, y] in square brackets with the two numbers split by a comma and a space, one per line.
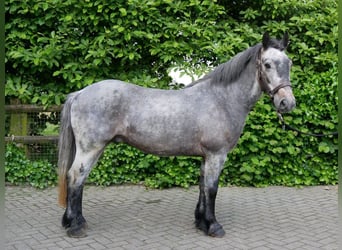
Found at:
[56, 47]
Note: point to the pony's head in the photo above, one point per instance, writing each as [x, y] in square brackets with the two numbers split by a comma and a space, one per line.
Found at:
[273, 68]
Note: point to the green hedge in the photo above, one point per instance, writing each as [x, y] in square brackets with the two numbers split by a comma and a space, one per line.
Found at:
[20, 170]
[56, 47]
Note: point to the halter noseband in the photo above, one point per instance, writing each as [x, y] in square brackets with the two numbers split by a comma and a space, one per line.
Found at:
[264, 81]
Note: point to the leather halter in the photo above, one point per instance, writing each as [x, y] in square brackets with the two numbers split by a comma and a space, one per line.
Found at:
[264, 82]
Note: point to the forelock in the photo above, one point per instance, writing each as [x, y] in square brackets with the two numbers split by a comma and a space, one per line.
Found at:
[277, 44]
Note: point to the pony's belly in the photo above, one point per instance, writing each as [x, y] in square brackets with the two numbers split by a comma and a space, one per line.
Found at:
[162, 145]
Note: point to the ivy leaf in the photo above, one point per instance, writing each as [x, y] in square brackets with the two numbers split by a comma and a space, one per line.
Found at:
[323, 147]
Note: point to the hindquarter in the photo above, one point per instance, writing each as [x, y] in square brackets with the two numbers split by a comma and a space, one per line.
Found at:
[97, 113]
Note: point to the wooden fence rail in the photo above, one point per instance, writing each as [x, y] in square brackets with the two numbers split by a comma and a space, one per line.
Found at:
[19, 119]
[30, 139]
[23, 108]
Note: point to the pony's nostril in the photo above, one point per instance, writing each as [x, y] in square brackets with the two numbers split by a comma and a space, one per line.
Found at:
[283, 103]
[286, 105]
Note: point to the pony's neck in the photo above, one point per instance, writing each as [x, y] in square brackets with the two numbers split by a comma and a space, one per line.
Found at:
[244, 91]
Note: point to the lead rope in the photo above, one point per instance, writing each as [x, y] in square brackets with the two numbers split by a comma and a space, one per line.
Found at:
[286, 126]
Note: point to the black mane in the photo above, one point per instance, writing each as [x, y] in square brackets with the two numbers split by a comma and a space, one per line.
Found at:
[230, 71]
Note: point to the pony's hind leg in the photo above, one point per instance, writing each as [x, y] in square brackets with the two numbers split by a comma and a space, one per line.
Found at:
[73, 219]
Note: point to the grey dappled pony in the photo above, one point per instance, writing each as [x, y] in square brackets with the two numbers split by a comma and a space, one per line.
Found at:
[205, 119]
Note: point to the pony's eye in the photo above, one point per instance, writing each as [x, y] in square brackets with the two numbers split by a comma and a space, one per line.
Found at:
[267, 65]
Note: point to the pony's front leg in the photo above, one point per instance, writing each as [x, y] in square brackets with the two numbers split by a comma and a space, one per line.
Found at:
[205, 210]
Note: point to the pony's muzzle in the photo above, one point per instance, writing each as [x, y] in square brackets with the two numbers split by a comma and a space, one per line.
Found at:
[284, 101]
[286, 105]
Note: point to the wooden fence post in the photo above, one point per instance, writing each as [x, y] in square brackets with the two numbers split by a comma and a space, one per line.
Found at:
[19, 124]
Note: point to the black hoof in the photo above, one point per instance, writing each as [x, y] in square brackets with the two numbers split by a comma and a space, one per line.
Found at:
[77, 232]
[216, 230]
[76, 227]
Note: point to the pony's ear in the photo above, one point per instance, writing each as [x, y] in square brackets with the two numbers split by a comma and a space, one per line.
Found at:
[285, 40]
[266, 40]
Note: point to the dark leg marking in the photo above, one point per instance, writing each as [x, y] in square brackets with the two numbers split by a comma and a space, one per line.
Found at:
[205, 219]
[82, 168]
[73, 219]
